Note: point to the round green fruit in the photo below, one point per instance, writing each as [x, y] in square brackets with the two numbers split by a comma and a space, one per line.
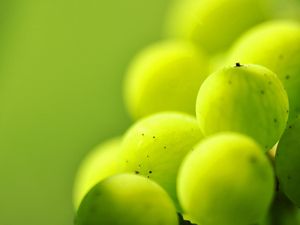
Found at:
[126, 200]
[247, 99]
[287, 162]
[226, 180]
[276, 45]
[97, 165]
[214, 24]
[165, 76]
[155, 146]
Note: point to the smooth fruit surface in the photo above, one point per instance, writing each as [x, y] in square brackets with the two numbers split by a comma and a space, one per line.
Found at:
[287, 162]
[275, 45]
[97, 165]
[126, 200]
[155, 147]
[210, 23]
[247, 99]
[226, 180]
[165, 76]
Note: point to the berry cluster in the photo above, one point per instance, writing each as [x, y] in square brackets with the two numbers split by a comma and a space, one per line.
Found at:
[216, 137]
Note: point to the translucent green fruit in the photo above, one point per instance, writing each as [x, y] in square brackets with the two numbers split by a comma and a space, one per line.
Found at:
[287, 162]
[226, 180]
[98, 164]
[155, 146]
[165, 76]
[276, 45]
[247, 99]
[215, 24]
[127, 200]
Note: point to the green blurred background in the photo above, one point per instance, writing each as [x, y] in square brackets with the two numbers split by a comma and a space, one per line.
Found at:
[61, 68]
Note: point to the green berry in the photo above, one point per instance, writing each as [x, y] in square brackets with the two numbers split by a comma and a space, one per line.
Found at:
[287, 162]
[155, 146]
[215, 24]
[226, 180]
[165, 76]
[276, 45]
[97, 165]
[247, 99]
[126, 200]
